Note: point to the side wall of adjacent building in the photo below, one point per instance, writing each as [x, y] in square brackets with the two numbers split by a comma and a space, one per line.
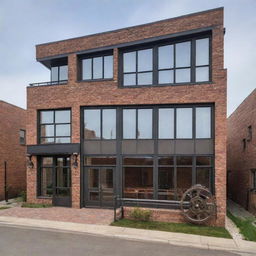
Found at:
[241, 153]
[13, 119]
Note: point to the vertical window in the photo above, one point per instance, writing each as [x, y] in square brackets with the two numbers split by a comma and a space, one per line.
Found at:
[100, 124]
[249, 133]
[55, 126]
[183, 62]
[138, 67]
[97, 68]
[137, 123]
[59, 73]
[138, 178]
[184, 123]
[22, 135]
[203, 171]
[166, 123]
[202, 60]
[203, 122]
[253, 173]
[129, 124]
[144, 123]
[46, 177]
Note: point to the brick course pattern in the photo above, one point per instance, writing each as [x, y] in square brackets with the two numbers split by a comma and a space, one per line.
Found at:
[75, 94]
[241, 161]
[12, 120]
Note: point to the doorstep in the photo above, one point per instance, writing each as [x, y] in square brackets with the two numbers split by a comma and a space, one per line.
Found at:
[134, 234]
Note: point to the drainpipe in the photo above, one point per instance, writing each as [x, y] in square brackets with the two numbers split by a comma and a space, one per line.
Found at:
[5, 182]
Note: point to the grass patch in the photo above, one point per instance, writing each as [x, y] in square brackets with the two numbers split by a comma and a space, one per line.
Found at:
[29, 205]
[4, 207]
[174, 227]
[245, 226]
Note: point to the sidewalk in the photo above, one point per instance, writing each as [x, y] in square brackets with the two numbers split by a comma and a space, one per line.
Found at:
[135, 234]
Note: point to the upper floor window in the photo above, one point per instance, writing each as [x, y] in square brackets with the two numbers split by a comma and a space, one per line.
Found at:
[138, 67]
[55, 126]
[174, 63]
[22, 134]
[100, 123]
[59, 73]
[97, 67]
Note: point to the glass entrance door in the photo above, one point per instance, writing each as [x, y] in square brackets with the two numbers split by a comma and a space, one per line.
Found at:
[62, 178]
[100, 186]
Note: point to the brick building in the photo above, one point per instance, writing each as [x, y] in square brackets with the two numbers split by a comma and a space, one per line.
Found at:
[138, 112]
[241, 154]
[12, 149]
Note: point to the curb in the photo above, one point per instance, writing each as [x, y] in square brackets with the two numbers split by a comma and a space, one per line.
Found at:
[178, 239]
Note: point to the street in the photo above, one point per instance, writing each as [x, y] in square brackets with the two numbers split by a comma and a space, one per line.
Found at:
[17, 241]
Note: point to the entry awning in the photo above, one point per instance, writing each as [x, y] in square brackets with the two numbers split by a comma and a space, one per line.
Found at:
[54, 149]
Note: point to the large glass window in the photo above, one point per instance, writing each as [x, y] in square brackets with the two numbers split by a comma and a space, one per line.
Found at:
[203, 122]
[94, 68]
[46, 177]
[100, 123]
[55, 126]
[174, 63]
[137, 123]
[202, 59]
[138, 67]
[59, 73]
[138, 178]
[184, 123]
[166, 123]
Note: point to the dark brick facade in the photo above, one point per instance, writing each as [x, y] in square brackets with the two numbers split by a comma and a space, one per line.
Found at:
[241, 153]
[12, 120]
[103, 93]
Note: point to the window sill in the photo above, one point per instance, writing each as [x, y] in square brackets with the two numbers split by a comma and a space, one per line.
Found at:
[44, 197]
[164, 85]
[95, 80]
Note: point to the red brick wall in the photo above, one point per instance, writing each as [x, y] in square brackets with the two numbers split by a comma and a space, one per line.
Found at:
[12, 120]
[76, 94]
[240, 162]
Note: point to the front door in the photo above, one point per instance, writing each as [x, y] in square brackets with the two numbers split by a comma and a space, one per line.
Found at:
[62, 182]
[99, 186]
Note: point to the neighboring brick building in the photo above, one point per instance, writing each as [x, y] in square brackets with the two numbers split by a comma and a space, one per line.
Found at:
[242, 154]
[138, 112]
[12, 149]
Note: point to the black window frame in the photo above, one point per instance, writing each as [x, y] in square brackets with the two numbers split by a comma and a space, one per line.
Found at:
[101, 123]
[253, 175]
[92, 56]
[22, 139]
[55, 124]
[156, 70]
[136, 108]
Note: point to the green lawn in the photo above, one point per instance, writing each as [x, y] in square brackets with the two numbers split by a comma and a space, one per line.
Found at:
[174, 227]
[29, 205]
[4, 207]
[245, 226]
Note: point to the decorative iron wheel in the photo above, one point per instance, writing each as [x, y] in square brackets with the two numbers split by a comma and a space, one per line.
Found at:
[198, 204]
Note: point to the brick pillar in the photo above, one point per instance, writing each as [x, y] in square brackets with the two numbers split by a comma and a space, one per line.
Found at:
[32, 181]
[75, 176]
[72, 68]
[115, 60]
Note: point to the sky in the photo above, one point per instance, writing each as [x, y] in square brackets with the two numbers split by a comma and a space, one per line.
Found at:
[25, 23]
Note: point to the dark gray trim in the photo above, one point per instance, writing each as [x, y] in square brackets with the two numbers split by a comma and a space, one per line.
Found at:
[53, 149]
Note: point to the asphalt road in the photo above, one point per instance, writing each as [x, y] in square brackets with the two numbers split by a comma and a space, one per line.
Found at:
[17, 241]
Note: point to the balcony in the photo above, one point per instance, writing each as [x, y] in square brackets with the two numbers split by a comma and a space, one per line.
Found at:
[51, 83]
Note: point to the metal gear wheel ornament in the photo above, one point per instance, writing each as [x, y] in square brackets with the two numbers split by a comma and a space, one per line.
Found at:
[198, 204]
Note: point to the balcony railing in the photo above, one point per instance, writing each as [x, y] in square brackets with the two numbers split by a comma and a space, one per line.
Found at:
[49, 83]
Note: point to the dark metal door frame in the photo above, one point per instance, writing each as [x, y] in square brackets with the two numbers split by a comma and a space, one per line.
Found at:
[58, 200]
[100, 202]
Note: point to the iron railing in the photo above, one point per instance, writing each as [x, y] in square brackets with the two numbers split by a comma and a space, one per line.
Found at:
[120, 203]
[49, 83]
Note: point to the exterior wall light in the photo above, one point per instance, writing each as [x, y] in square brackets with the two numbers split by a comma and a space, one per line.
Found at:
[30, 163]
[75, 162]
